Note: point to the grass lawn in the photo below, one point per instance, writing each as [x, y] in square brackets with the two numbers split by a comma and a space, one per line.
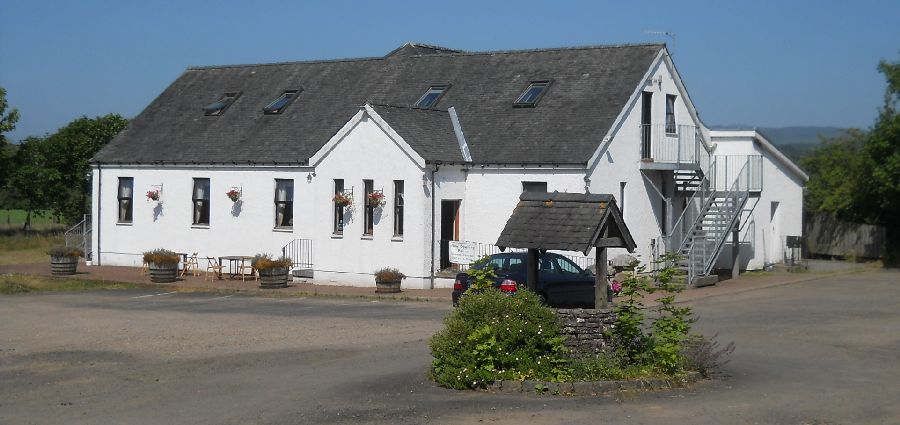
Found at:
[25, 249]
[22, 284]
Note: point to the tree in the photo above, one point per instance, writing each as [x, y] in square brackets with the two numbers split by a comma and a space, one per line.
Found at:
[7, 123]
[70, 149]
[857, 176]
[32, 182]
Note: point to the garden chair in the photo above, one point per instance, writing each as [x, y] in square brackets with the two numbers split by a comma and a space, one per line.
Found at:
[191, 265]
[247, 266]
[213, 267]
[145, 268]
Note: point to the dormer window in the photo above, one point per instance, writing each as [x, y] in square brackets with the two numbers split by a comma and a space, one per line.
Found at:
[218, 107]
[532, 94]
[431, 97]
[278, 105]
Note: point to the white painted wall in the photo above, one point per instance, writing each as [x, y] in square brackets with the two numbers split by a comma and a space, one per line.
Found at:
[763, 236]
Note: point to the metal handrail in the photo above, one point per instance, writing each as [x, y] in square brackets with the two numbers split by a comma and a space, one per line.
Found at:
[300, 251]
[685, 146]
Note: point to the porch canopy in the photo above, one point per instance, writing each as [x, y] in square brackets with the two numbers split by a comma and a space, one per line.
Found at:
[571, 222]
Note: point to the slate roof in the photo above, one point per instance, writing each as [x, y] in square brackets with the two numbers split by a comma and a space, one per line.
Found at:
[563, 221]
[428, 131]
[590, 86]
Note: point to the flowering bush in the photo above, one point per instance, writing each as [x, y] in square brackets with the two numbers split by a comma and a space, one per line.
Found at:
[234, 195]
[153, 195]
[494, 336]
[375, 199]
[342, 200]
[616, 287]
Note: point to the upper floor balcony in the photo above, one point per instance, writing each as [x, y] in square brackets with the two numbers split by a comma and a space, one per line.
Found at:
[668, 147]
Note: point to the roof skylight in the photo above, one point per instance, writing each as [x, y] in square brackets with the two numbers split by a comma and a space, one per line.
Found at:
[278, 105]
[218, 107]
[431, 97]
[532, 94]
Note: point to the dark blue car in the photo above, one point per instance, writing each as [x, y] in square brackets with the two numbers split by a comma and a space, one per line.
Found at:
[561, 283]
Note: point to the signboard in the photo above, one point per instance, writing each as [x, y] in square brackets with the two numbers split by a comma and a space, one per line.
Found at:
[463, 252]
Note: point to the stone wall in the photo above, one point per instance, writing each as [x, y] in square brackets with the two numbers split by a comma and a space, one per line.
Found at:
[585, 329]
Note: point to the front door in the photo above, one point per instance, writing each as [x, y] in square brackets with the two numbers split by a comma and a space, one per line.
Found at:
[449, 229]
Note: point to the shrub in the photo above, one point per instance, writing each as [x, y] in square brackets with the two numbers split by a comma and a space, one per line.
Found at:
[494, 336]
[388, 274]
[267, 262]
[606, 366]
[64, 251]
[161, 256]
[704, 355]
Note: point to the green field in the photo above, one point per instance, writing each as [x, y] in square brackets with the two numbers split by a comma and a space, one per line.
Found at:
[12, 217]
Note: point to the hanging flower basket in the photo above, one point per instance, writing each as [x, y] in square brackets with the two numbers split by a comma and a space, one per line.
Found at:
[153, 195]
[234, 195]
[375, 199]
[342, 200]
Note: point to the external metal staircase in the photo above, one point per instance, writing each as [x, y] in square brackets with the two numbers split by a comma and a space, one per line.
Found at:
[79, 236]
[708, 218]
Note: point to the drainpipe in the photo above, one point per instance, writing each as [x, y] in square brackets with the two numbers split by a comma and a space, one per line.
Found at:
[433, 196]
[99, 207]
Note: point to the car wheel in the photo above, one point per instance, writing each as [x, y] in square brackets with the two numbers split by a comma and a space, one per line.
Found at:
[543, 299]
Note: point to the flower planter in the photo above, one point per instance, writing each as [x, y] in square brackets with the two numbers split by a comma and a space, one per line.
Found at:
[273, 278]
[63, 266]
[387, 287]
[163, 273]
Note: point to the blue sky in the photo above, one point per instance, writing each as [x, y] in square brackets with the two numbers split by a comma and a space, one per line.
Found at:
[761, 63]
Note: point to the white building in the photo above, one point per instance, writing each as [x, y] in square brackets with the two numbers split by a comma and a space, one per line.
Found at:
[450, 139]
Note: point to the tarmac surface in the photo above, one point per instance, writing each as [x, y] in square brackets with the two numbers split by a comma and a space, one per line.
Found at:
[819, 351]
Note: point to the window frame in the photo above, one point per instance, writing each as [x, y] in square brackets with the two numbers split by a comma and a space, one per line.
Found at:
[287, 207]
[431, 88]
[519, 103]
[338, 222]
[129, 214]
[369, 211]
[670, 124]
[201, 203]
[226, 103]
[268, 110]
[399, 203]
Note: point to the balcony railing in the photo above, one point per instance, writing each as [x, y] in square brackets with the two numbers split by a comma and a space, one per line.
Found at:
[729, 166]
[683, 147]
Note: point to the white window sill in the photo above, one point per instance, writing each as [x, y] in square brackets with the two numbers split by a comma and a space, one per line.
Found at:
[283, 229]
[337, 236]
[124, 223]
[397, 239]
[199, 226]
[366, 237]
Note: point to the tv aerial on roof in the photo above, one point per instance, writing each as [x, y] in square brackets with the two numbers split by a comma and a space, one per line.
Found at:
[669, 34]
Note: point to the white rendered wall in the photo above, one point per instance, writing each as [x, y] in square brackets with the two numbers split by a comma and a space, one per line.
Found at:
[764, 236]
[247, 230]
[368, 152]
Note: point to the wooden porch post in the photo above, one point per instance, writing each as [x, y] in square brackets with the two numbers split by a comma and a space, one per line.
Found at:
[531, 278]
[600, 282]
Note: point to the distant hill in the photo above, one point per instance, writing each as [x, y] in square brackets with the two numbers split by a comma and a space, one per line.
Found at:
[794, 142]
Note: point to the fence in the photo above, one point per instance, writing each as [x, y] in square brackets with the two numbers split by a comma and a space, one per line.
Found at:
[826, 235]
[300, 251]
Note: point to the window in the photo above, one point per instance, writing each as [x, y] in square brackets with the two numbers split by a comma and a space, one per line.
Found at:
[398, 207]
[218, 107]
[126, 199]
[566, 266]
[368, 225]
[278, 105]
[431, 97]
[670, 114]
[338, 209]
[201, 201]
[534, 187]
[284, 203]
[532, 94]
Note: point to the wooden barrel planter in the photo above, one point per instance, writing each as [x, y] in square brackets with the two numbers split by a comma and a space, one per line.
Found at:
[63, 266]
[388, 287]
[163, 273]
[273, 278]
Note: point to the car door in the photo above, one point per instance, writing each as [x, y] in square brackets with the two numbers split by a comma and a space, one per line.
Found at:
[575, 285]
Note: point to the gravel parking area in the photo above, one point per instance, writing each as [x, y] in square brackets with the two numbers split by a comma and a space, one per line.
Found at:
[822, 350]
